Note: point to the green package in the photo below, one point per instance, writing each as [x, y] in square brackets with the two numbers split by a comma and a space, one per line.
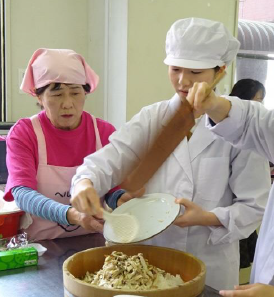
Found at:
[18, 258]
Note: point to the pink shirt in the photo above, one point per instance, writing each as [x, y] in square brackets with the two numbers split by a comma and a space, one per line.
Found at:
[64, 148]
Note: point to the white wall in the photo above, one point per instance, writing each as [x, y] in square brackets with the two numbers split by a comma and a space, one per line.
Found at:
[135, 32]
[148, 23]
[97, 55]
[122, 40]
[117, 52]
[34, 24]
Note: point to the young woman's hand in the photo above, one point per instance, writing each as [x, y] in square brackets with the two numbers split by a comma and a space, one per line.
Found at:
[129, 195]
[216, 107]
[86, 221]
[198, 100]
[250, 290]
[85, 198]
[195, 215]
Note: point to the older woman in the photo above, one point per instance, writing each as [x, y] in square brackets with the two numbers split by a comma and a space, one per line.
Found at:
[44, 151]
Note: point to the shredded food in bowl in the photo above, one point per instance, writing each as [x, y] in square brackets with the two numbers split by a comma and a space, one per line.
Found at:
[121, 271]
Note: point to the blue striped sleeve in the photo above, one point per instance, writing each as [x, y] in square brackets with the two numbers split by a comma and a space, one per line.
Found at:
[112, 198]
[35, 203]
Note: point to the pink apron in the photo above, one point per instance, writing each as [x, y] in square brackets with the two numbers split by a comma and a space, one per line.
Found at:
[54, 182]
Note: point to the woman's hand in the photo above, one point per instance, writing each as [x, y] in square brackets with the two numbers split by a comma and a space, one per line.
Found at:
[85, 198]
[86, 221]
[216, 107]
[129, 195]
[250, 290]
[195, 215]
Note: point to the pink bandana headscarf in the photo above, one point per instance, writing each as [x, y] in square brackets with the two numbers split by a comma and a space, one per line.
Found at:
[57, 66]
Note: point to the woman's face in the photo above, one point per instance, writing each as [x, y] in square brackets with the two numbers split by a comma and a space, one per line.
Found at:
[182, 78]
[63, 106]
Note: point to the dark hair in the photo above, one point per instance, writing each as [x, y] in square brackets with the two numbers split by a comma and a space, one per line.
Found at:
[246, 89]
[56, 86]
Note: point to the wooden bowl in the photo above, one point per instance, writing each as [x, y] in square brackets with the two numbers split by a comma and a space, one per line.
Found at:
[191, 270]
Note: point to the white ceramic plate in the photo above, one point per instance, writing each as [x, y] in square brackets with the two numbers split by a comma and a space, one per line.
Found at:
[154, 212]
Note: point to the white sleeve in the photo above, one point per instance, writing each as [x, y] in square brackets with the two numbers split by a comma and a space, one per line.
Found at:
[108, 167]
[250, 182]
[249, 125]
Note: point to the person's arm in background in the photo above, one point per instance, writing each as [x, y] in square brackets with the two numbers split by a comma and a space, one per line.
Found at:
[245, 124]
[35, 203]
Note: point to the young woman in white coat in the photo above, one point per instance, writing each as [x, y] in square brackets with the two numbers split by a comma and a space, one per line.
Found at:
[246, 125]
[224, 189]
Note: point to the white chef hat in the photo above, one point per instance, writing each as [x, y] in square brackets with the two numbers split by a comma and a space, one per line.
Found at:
[200, 44]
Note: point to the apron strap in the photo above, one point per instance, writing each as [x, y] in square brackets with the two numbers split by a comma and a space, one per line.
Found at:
[97, 136]
[42, 150]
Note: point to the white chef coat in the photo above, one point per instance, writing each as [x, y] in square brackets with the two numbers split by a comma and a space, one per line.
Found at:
[231, 183]
[250, 125]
